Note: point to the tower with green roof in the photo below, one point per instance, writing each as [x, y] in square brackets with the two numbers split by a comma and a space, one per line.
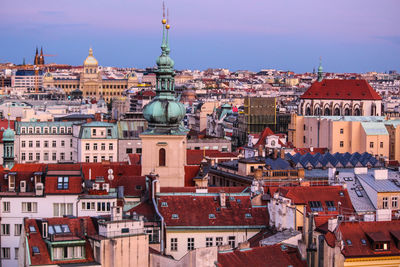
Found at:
[164, 141]
[320, 72]
[8, 146]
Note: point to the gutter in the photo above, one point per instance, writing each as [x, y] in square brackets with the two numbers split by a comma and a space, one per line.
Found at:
[159, 214]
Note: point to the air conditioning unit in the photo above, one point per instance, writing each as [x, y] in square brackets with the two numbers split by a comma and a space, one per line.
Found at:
[22, 186]
[96, 186]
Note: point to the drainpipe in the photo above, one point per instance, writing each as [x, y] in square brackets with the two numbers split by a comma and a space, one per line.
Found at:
[159, 214]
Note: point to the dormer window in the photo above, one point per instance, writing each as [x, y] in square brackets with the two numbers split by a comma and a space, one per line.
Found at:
[30, 130]
[315, 206]
[23, 130]
[175, 216]
[62, 183]
[381, 246]
[164, 204]
[211, 216]
[69, 130]
[62, 130]
[53, 130]
[380, 242]
[46, 130]
[37, 130]
[94, 132]
[330, 205]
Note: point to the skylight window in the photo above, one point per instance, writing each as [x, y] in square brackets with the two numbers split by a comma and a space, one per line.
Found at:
[316, 206]
[164, 204]
[57, 229]
[65, 228]
[363, 242]
[232, 198]
[348, 241]
[175, 216]
[330, 205]
[35, 250]
[247, 215]
[211, 216]
[32, 229]
[51, 229]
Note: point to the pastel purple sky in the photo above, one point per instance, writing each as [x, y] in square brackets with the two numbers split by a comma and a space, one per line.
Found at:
[350, 35]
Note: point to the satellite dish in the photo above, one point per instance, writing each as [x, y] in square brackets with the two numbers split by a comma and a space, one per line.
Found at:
[110, 177]
[110, 171]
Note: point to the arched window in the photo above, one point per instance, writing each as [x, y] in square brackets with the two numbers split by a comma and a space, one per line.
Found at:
[337, 112]
[161, 157]
[347, 112]
[357, 112]
[373, 110]
[317, 111]
[308, 111]
[327, 112]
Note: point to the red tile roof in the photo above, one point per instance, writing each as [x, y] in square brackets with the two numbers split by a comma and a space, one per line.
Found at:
[305, 194]
[306, 150]
[271, 256]
[101, 169]
[190, 173]
[134, 159]
[341, 89]
[194, 157]
[74, 185]
[264, 134]
[192, 189]
[355, 231]
[231, 215]
[75, 226]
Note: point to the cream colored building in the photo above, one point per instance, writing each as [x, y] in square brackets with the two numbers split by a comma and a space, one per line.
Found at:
[340, 134]
[91, 82]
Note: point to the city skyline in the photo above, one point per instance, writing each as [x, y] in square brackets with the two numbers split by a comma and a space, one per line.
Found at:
[351, 37]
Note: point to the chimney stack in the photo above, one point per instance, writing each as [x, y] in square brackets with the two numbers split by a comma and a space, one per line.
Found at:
[282, 153]
[222, 199]
[275, 153]
[260, 150]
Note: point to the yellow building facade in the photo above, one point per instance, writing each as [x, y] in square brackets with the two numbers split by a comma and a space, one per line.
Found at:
[91, 82]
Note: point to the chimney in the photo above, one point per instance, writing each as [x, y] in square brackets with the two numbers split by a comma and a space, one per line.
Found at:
[116, 213]
[97, 116]
[222, 199]
[260, 150]
[275, 153]
[258, 174]
[282, 153]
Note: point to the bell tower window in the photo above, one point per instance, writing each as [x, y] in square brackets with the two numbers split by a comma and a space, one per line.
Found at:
[161, 157]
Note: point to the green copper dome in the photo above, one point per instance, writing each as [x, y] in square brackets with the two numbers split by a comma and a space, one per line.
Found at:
[8, 135]
[164, 113]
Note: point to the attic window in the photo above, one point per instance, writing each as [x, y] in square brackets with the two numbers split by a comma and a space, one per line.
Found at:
[232, 198]
[341, 194]
[348, 241]
[315, 206]
[175, 216]
[164, 204]
[363, 242]
[247, 215]
[138, 187]
[381, 246]
[32, 229]
[57, 229]
[211, 216]
[218, 209]
[65, 228]
[35, 250]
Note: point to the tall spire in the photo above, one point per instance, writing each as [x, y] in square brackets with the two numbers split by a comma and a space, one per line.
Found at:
[41, 58]
[320, 73]
[164, 113]
[36, 60]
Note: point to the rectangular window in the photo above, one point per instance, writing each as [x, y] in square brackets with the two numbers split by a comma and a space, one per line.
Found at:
[62, 182]
[110, 146]
[341, 131]
[70, 143]
[94, 158]
[46, 156]
[341, 143]
[94, 132]
[330, 205]
[103, 146]
[30, 143]
[29, 207]
[371, 144]
[110, 158]
[129, 151]
[62, 156]
[315, 206]
[23, 143]
[381, 144]
[139, 150]
[190, 243]
[37, 143]
[304, 139]
[30, 156]
[95, 146]
[46, 144]
[5, 253]
[385, 203]
[209, 241]
[87, 159]
[394, 202]
[174, 244]
[5, 229]
[54, 143]
[6, 206]
[38, 156]
[17, 229]
[103, 158]
[16, 253]
[87, 146]
[54, 156]
[219, 241]
[61, 209]
[232, 241]
[62, 143]
[23, 157]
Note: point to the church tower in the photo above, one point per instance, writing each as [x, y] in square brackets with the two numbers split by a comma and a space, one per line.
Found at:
[8, 145]
[320, 72]
[164, 141]
[36, 60]
[90, 78]
[41, 57]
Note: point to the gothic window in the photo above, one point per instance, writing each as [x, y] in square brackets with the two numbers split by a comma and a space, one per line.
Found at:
[357, 112]
[161, 157]
[337, 112]
[317, 111]
[347, 112]
[327, 112]
[308, 111]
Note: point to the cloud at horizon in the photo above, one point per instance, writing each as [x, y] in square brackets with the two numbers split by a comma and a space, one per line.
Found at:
[351, 36]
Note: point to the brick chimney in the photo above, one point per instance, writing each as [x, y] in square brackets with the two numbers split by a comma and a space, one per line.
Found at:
[97, 116]
[275, 153]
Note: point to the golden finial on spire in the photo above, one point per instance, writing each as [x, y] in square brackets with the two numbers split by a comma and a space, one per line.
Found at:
[163, 14]
[167, 26]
